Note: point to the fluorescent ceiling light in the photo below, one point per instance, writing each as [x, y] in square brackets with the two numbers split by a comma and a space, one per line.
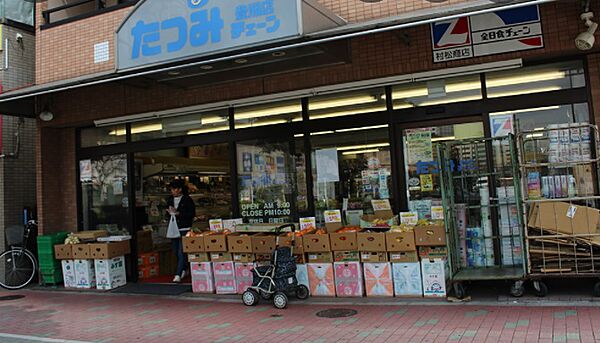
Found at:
[299, 135]
[364, 146]
[209, 129]
[546, 108]
[266, 112]
[359, 152]
[441, 139]
[321, 133]
[263, 123]
[423, 91]
[349, 112]
[525, 91]
[363, 128]
[137, 129]
[520, 79]
[450, 100]
[534, 135]
[355, 100]
[213, 120]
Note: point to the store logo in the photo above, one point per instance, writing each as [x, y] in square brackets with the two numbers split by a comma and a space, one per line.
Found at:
[196, 3]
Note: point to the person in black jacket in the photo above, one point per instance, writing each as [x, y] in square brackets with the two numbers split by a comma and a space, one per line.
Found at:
[183, 207]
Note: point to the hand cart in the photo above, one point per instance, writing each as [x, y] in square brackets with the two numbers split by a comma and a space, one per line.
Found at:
[482, 211]
[559, 170]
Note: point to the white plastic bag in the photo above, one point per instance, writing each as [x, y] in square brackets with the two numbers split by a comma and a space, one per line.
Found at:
[173, 229]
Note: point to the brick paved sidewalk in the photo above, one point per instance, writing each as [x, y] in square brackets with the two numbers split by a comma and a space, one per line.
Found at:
[127, 318]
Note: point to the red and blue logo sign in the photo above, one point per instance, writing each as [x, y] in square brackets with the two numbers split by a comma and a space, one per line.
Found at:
[451, 33]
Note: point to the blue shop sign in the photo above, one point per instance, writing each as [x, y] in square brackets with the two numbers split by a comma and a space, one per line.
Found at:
[160, 31]
[432, 167]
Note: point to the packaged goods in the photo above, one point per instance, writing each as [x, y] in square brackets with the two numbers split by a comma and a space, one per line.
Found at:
[434, 277]
[243, 276]
[85, 275]
[534, 188]
[224, 273]
[407, 279]
[68, 269]
[348, 279]
[202, 277]
[321, 279]
[110, 273]
[378, 279]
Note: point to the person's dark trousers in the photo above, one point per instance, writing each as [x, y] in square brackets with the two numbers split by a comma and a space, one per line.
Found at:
[178, 250]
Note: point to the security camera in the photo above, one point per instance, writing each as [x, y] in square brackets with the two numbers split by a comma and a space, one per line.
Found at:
[586, 40]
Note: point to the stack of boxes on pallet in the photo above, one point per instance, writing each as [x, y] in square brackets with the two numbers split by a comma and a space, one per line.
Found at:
[98, 265]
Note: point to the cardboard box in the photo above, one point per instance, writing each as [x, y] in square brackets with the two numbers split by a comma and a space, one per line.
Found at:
[147, 259]
[333, 227]
[286, 241]
[386, 219]
[400, 241]
[433, 272]
[243, 276]
[90, 235]
[221, 257]
[302, 275]
[63, 251]
[148, 272]
[243, 258]
[346, 256]
[110, 273]
[262, 258]
[348, 279]
[263, 243]
[321, 279]
[319, 257]
[199, 257]
[433, 252]
[224, 273]
[193, 244]
[85, 276]
[215, 243]
[300, 258]
[404, 257]
[345, 241]
[68, 270]
[407, 279]
[432, 235]
[373, 256]
[562, 217]
[316, 243]
[81, 251]
[144, 241]
[103, 251]
[371, 241]
[240, 243]
[378, 279]
[202, 277]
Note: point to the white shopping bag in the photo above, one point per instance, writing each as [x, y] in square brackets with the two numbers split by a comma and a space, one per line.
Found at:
[173, 230]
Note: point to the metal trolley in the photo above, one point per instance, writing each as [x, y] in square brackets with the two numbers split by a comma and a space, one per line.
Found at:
[559, 170]
[482, 210]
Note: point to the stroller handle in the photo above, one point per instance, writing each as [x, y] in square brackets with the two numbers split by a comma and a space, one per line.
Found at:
[279, 228]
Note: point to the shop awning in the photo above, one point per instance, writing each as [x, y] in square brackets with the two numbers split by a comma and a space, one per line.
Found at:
[325, 46]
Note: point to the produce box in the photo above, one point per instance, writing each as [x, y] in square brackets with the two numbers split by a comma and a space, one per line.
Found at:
[221, 257]
[344, 241]
[434, 277]
[148, 272]
[240, 243]
[147, 259]
[316, 243]
[243, 258]
[371, 241]
[433, 252]
[404, 257]
[430, 235]
[378, 279]
[215, 242]
[373, 256]
[348, 279]
[300, 258]
[262, 258]
[407, 279]
[263, 243]
[144, 241]
[400, 241]
[199, 257]
[346, 256]
[63, 251]
[193, 244]
[81, 251]
[85, 275]
[243, 276]
[102, 251]
[285, 240]
[562, 217]
[225, 277]
[91, 235]
[321, 279]
[302, 275]
[110, 273]
[319, 257]
[202, 277]
[68, 270]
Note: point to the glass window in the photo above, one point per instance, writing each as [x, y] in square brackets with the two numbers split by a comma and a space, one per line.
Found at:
[206, 172]
[345, 104]
[272, 183]
[98, 136]
[437, 92]
[544, 78]
[105, 203]
[353, 165]
[193, 124]
[268, 114]
[19, 10]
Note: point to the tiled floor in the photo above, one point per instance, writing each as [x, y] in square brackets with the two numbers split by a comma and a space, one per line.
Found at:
[127, 318]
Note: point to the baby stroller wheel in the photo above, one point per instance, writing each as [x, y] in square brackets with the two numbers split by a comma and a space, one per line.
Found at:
[280, 300]
[302, 292]
[250, 297]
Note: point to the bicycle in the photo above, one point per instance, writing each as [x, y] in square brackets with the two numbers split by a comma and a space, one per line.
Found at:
[18, 265]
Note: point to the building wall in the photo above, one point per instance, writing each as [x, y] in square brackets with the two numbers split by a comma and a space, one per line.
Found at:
[21, 59]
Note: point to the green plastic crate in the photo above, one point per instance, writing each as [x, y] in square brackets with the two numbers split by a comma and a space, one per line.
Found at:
[46, 243]
[53, 277]
[50, 265]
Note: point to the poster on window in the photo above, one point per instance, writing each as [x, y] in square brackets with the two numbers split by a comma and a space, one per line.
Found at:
[419, 146]
[327, 165]
[501, 125]
[85, 170]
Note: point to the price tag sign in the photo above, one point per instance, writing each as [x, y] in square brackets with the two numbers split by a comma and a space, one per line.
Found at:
[437, 212]
[333, 216]
[409, 218]
[216, 224]
[308, 223]
[229, 224]
[381, 205]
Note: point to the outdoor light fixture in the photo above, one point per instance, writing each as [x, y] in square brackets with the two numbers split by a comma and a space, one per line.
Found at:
[46, 115]
[586, 39]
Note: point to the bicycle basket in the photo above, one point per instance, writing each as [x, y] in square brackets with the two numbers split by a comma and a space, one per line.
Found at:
[15, 235]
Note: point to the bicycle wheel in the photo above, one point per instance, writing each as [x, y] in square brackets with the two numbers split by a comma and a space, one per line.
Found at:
[17, 268]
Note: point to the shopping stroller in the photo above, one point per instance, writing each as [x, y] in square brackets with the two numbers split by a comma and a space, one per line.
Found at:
[278, 279]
